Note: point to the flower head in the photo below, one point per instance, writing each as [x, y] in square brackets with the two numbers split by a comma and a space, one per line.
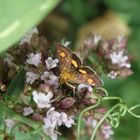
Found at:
[41, 99]
[111, 54]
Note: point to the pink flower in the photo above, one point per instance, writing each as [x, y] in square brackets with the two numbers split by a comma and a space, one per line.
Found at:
[120, 59]
[27, 111]
[107, 131]
[41, 99]
[83, 86]
[10, 123]
[49, 130]
[54, 119]
[50, 78]
[31, 77]
[51, 63]
[34, 59]
[64, 119]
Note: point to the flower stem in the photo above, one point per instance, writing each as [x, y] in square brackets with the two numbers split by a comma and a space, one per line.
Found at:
[80, 117]
[112, 98]
[101, 121]
[132, 108]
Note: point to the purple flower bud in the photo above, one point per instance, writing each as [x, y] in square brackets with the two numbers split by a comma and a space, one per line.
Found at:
[37, 117]
[67, 103]
[85, 102]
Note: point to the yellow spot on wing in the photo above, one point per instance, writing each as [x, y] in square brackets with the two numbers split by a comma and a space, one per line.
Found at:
[82, 71]
[62, 54]
[74, 63]
[90, 81]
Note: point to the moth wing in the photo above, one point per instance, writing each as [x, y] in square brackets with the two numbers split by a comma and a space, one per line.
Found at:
[64, 55]
[97, 81]
[86, 75]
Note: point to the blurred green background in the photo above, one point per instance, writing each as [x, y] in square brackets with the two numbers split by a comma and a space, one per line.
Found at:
[72, 19]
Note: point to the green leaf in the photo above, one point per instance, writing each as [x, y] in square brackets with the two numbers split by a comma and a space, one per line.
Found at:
[2, 118]
[20, 135]
[17, 85]
[17, 17]
[1, 137]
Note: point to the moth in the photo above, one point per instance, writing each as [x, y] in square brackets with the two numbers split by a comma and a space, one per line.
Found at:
[72, 72]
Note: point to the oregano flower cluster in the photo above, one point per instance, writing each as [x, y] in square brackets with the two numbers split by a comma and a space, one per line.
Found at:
[45, 100]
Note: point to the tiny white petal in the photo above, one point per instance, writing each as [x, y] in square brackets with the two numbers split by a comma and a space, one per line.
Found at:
[51, 63]
[112, 74]
[50, 78]
[65, 43]
[42, 100]
[107, 131]
[97, 38]
[81, 86]
[31, 77]
[45, 75]
[120, 38]
[27, 111]
[69, 123]
[120, 59]
[50, 132]
[94, 123]
[34, 59]
[10, 123]
[54, 119]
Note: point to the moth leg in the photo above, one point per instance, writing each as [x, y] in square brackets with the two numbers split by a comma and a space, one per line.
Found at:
[72, 87]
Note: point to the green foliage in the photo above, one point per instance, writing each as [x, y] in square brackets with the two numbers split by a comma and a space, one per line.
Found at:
[21, 135]
[1, 121]
[17, 17]
[1, 137]
[17, 85]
